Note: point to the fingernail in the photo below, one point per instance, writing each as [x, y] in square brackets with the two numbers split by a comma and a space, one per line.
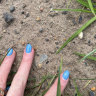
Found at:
[66, 75]
[10, 51]
[28, 48]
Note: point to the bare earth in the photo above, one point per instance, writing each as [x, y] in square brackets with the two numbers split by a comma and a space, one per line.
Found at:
[57, 27]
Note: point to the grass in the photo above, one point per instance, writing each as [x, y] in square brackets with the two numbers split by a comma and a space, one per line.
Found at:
[86, 56]
[59, 85]
[88, 4]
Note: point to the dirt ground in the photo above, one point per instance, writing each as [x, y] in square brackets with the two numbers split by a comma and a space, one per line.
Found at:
[46, 31]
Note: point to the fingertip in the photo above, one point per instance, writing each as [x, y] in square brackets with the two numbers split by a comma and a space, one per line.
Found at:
[66, 74]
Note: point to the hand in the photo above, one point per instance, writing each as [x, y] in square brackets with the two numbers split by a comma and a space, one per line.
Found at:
[19, 81]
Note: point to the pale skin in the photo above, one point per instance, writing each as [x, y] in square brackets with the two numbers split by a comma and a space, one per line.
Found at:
[18, 84]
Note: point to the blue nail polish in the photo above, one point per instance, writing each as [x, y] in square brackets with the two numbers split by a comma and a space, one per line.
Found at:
[28, 48]
[10, 51]
[66, 75]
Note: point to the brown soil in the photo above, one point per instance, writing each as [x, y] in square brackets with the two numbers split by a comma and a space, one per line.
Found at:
[56, 28]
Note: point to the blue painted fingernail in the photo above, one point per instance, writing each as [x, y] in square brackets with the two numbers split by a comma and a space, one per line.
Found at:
[66, 75]
[28, 48]
[10, 51]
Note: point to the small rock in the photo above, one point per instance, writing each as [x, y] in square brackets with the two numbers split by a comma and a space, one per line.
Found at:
[27, 14]
[56, 43]
[74, 22]
[41, 9]
[89, 42]
[43, 57]
[80, 19]
[12, 9]
[22, 12]
[16, 32]
[38, 19]
[91, 93]
[64, 12]
[47, 62]
[53, 14]
[46, 1]
[41, 30]
[46, 39]
[8, 17]
[93, 88]
[80, 35]
[40, 65]
[24, 5]
[95, 36]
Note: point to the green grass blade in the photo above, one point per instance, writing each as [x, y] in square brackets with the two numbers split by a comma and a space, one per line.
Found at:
[74, 10]
[76, 89]
[76, 33]
[88, 54]
[59, 86]
[82, 55]
[82, 2]
[91, 6]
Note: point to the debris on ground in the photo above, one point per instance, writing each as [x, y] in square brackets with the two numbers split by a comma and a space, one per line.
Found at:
[43, 57]
[80, 35]
[12, 8]
[8, 17]
[91, 93]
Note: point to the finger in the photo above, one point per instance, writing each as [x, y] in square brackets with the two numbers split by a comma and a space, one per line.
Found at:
[6, 67]
[20, 79]
[64, 78]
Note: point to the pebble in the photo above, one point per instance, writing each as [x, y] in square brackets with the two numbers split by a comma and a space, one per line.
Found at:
[16, 32]
[53, 14]
[64, 12]
[74, 22]
[8, 17]
[27, 14]
[43, 57]
[12, 9]
[24, 5]
[93, 88]
[91, 93]
[22, 12]
[89, 42]
[56, 43]
[41, 30]
[46, 39]
[41, 9]
[95, 36]
[40, 65]
[80, 35]
[80, 19]
[47, 62]
[38, 19]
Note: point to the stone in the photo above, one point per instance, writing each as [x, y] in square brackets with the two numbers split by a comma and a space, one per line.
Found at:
[41, 30]
[80, 19]
[12, 9]
[91, 93]
[43, 57]
[24, 5]
[64, 12]
[46, 39]
[80, 35]
[8, 17]
[95, 36]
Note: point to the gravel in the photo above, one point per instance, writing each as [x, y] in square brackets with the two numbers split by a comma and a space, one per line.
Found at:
[8, 17]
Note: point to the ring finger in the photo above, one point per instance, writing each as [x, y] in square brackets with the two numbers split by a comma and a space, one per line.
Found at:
[6, 67]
